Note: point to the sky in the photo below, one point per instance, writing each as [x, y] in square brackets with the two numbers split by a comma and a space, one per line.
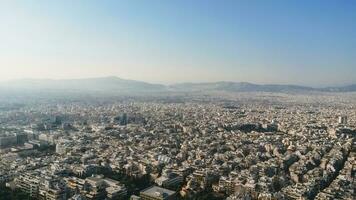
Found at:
[305, 42]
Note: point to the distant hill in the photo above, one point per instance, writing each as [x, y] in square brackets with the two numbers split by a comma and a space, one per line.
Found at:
[348, 88]
[115, 85]
[239, 87]
[104, 85]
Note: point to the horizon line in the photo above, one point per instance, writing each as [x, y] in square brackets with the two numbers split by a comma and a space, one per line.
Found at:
[175, 83]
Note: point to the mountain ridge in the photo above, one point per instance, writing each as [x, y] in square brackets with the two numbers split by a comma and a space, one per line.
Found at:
[116, 84]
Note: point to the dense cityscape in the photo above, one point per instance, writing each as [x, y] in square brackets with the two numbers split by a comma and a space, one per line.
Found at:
[177, 100]
[242, 146]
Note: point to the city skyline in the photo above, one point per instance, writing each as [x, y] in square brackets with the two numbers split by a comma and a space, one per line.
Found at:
[303, 43]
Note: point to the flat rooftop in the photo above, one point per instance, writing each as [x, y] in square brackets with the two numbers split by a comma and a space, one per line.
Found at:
[155, 191]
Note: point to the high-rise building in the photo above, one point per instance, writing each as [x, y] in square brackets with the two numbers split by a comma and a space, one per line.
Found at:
[342, 120]
[123, 119]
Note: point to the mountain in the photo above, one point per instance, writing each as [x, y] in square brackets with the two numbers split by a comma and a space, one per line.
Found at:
[103, 85]
[348, 88]
[114, 85]
[239, 87]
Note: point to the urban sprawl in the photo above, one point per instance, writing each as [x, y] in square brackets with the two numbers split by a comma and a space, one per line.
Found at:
[261, 146]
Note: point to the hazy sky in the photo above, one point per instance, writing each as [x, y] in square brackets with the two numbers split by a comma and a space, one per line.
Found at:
[301, 42]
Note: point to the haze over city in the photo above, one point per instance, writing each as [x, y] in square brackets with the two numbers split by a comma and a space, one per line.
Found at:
[283, 42]
[177, 100]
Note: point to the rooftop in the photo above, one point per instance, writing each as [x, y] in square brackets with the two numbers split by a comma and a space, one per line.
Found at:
[157, 191]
